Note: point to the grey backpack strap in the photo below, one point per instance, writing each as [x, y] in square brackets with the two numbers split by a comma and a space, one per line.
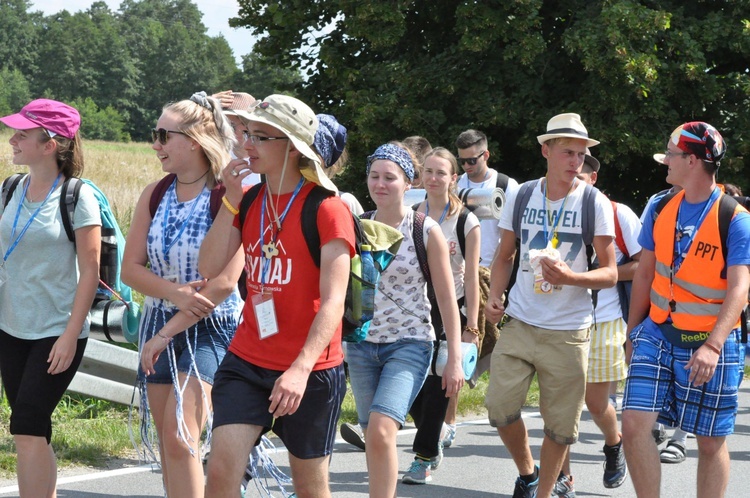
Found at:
[588, 214]
[9, 186]
[522, 200]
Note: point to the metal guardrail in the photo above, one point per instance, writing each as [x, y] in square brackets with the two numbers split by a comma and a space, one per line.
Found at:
[107, 372]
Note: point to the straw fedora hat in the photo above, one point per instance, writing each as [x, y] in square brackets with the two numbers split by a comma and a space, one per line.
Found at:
[567, 125]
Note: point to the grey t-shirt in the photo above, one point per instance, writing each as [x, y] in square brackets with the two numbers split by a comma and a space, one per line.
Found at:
[37, 298]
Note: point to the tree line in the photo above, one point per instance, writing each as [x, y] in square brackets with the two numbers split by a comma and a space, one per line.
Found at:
[634, 70]
[119, 68]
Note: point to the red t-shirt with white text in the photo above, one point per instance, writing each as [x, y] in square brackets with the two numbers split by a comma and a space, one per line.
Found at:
[292, 278]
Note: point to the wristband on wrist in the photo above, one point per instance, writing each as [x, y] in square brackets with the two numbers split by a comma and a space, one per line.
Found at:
[712, 348]
[229, 206]
[473, 330]
[168, 339]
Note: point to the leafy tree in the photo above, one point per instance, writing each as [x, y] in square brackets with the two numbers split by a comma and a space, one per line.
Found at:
[175, 55]
[262, 77]
[18, 35]
[14, 91]
[100, 123]
[633, 69]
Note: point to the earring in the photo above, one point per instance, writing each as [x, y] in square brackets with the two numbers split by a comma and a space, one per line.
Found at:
[192, 148]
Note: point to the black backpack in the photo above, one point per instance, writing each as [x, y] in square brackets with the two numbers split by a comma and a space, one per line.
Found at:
[351, 323]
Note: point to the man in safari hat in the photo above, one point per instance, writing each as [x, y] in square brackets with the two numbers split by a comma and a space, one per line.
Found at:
[684, 324]
[284, 369]
[549, 310]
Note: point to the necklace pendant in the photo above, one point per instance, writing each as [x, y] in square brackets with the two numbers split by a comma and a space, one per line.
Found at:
[270, 250]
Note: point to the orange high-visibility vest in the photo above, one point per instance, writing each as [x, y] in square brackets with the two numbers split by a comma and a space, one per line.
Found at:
[697, 288]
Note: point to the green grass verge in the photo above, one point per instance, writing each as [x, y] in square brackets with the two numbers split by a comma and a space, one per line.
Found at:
[86, 431]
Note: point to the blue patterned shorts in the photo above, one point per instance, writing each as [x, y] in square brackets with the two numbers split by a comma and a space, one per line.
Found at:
[658, 382]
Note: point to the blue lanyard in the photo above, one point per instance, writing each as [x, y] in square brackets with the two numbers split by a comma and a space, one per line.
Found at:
[553, 236]
[267, 261]
[678, 255]
[31, 218]
[165, 220]
[445, 211]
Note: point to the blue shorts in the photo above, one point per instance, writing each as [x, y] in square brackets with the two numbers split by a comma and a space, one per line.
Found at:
[658, 382]
[240, 396]
[387, 377]
[197, 352]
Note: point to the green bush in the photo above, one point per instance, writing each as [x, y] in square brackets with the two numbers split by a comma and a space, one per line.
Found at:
[100, 124]
[14, 91]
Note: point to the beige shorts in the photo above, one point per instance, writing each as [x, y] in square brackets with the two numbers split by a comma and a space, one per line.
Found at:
[558, 357]
[607, 355]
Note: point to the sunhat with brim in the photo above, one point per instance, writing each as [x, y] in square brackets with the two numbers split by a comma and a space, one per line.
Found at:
[53, 116]
[241, 102]
[567, 125]
[591, 161]
[659, 158]
[296, 120]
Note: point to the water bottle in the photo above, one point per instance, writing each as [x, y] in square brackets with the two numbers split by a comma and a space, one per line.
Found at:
[370, 276]
[108, 262]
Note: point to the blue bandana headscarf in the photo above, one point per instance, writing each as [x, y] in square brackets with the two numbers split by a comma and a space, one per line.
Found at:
[396, 154]
[330, 139]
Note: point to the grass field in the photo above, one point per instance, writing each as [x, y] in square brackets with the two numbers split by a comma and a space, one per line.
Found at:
[120, 170]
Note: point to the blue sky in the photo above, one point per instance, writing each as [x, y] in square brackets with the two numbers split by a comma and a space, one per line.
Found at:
[216, 14]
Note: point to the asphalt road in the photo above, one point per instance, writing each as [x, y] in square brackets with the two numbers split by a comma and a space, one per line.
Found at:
[476, 466]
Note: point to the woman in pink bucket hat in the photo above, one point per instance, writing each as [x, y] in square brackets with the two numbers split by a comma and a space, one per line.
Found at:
[44, 301]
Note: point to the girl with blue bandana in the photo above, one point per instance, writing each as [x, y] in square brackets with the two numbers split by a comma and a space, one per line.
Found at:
[388, 368]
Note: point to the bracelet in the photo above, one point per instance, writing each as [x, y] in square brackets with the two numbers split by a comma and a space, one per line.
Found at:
[712, 348]
[168, 339]
[473, 330]
[229, 206]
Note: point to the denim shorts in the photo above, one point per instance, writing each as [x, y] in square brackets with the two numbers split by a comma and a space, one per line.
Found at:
[199, 348]
[658, 382]
[386, 377]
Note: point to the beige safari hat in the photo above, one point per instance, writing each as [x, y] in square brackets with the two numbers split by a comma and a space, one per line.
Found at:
[296, 120]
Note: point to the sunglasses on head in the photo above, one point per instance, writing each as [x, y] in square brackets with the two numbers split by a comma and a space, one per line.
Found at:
[162, 135]
[472, 161]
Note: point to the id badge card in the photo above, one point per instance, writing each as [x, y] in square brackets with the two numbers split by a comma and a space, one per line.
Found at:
[3, 273]
[174, 279]
[265, 315]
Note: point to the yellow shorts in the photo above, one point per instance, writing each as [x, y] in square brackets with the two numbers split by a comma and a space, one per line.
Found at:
[607, 355]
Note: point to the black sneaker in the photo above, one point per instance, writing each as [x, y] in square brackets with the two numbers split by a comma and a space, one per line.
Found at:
[615, 469]
[523, 490]
[353, 435]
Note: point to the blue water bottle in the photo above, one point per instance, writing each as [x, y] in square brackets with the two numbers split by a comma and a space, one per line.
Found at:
[370, 276]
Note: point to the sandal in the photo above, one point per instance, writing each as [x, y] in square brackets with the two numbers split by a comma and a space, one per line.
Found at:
[674, 452]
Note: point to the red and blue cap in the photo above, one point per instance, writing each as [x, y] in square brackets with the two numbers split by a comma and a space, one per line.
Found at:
[700, 139]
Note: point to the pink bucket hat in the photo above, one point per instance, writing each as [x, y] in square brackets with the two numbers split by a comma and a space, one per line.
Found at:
[53, 116]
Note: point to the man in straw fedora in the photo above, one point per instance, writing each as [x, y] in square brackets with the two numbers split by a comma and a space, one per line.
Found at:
[284, 369]
[686, 356]
[549, 311]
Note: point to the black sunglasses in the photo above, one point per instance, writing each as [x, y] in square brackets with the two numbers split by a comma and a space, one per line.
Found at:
[471, 160]
[163, 135]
